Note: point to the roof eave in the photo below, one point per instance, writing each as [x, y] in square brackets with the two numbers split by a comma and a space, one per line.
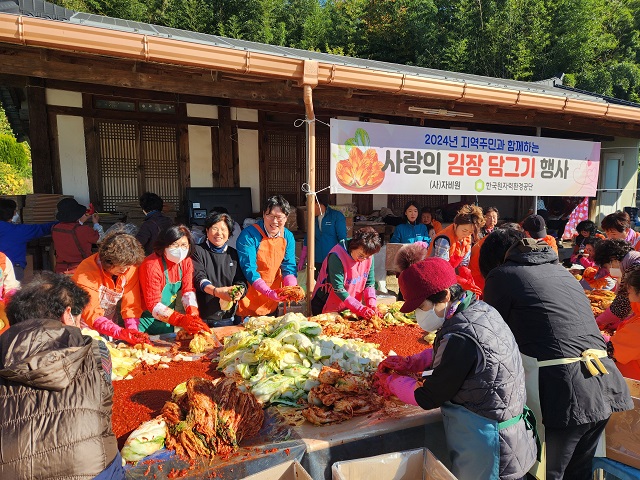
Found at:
[28, 31]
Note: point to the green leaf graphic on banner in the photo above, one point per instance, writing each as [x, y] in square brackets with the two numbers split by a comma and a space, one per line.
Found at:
[362, 138]
[479, 185]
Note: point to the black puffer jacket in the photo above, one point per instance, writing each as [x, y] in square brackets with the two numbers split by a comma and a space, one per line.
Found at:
[551, 318]
[55, 420]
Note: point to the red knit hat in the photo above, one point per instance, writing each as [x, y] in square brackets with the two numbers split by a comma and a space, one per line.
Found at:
[423, 279]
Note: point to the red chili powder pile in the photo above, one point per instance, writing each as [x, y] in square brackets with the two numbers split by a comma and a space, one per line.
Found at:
[141, 399]
[402, 339]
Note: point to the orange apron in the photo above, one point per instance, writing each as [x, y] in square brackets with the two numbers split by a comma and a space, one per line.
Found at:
[269, 258]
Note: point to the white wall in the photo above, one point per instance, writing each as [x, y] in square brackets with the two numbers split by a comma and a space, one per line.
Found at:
[73, 157]
[199, 110]
[63, 98]
[250, 164]
[626, 149]
[200, 156]
[244, 114]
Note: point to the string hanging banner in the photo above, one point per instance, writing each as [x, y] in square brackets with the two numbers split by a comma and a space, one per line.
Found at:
[393, 159]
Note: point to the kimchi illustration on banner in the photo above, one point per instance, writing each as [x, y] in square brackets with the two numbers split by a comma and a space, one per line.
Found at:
[361, 171]
[388, 159]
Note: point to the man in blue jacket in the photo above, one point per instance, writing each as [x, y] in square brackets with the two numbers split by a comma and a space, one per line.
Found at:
[15, 236]
[331, 227]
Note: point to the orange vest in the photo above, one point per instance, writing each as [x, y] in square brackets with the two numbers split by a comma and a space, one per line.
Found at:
[457, 248]
[551, 242]
[474, 263]
[271, 253]
[437, 226]
[625, 345]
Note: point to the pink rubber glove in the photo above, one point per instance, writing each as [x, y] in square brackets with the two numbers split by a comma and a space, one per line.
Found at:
[106, 327]
[369, 296]
[261, 286]
[412, 364]
[132, 323]
[303, 258]
[608, 320]
[289, 280]
[403, 388]
[358, 308]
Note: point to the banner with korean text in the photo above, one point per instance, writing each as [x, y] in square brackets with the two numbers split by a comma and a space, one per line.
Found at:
[396, 159]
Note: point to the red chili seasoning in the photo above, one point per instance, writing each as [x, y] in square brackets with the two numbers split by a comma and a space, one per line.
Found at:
[287, 451]
[402, 339]
[142, 398]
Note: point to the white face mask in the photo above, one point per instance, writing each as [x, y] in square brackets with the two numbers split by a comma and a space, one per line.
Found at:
[615, 272]
[429, 320]
[176, 255]
[16, 218]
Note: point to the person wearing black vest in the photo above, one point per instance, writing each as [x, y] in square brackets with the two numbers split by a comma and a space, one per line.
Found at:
[477, 377]
[572, 386]
[55, 385]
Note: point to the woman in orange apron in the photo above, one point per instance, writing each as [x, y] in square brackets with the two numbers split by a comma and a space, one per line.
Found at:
[111, 276]
[162, 275]
[266, 251]
[453, 244]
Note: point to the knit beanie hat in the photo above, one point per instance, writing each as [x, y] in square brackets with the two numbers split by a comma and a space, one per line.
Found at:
[423, 279]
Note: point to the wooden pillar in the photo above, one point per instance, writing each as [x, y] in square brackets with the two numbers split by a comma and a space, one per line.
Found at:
[43, 179]
[225, 147]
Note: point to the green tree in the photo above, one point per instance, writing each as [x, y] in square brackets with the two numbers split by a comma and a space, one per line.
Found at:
[5, 128]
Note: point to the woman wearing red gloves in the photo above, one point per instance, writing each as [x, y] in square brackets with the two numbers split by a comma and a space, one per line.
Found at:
[111, 276]
[162, 275]
[347, 278]
[453, 244]
[477, 377]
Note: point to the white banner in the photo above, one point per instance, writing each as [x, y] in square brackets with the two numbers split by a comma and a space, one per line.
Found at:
[395, 159]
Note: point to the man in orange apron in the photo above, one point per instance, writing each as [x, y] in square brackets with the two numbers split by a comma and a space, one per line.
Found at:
[266, 252]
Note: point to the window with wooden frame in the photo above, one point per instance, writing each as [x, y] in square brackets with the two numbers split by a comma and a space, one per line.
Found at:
[285, 166]
[135, 157]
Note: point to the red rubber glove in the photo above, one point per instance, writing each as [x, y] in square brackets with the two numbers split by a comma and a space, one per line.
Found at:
[193, 311]
[133, 337]
[608, 320]
[412, 364]
[190, 324]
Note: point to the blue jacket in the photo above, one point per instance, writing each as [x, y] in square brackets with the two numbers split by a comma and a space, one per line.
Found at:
[15, 236]
[247, 247]
[408, 233]
[334, 229]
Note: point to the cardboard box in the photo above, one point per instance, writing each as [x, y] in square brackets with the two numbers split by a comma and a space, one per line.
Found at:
[291, 470]
[623, 431]
[408, 465]
[302, 218]
[392, 249]
[292, 220]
